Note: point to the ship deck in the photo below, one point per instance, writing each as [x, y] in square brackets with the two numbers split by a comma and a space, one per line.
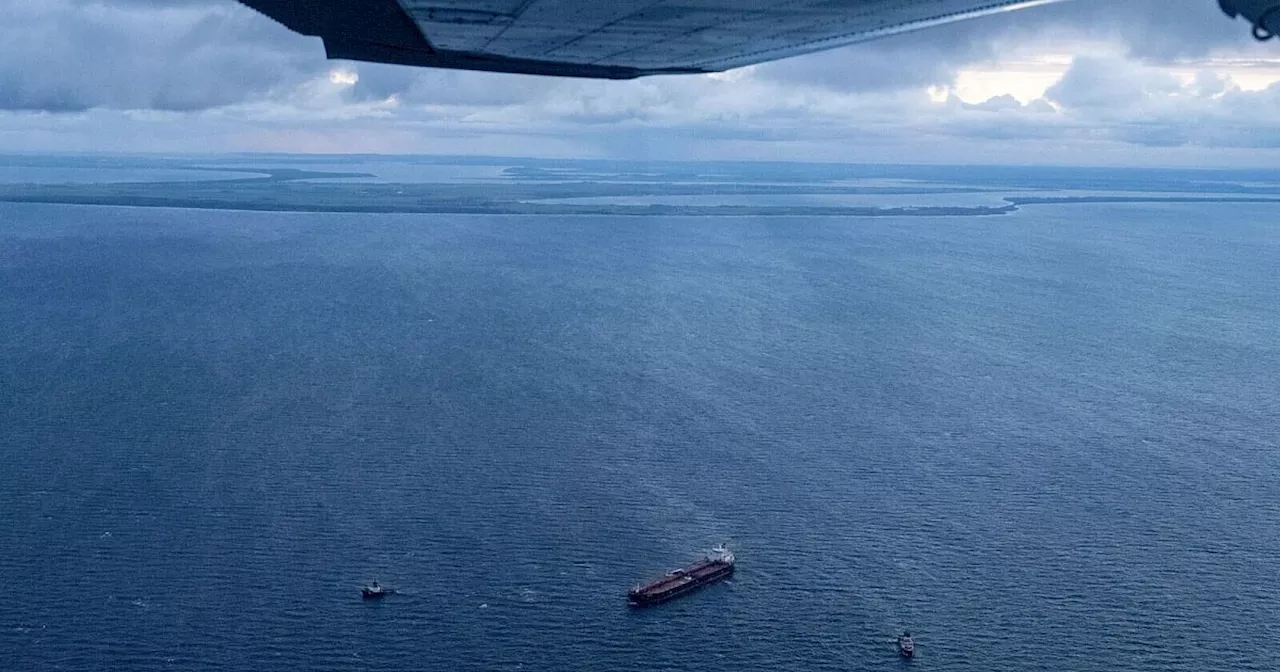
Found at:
[683, 576]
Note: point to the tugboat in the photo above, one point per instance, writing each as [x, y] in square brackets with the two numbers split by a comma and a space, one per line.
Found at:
[374, 591]
[906, 646]
[717, 565]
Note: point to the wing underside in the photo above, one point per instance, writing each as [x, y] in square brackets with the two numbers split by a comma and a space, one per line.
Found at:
[615, 39]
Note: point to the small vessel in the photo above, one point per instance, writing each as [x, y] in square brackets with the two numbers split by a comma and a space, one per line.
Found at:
[906, 645]
[374, 591]
[717, 565]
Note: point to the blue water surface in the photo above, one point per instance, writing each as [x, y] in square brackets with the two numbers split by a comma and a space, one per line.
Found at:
[1043, 441]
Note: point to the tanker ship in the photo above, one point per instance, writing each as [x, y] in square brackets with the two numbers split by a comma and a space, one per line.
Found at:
[717, 565]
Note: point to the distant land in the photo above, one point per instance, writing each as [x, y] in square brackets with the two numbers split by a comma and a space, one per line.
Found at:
[541, 187]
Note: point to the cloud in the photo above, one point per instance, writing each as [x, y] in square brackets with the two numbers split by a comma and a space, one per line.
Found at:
[1153, 31]
[188, 75]
[444, 87]
[1162, 31]
[62, 55]
[1128, 103]
[1111, 83]
[893, 63]
[69, 55]
[999, 103]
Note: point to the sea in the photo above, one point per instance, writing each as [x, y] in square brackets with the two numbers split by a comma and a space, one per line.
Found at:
[1045, 440]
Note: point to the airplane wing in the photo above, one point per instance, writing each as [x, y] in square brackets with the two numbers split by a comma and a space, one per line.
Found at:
[614, 39]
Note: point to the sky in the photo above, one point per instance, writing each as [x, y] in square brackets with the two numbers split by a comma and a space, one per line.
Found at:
[1084, 82]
